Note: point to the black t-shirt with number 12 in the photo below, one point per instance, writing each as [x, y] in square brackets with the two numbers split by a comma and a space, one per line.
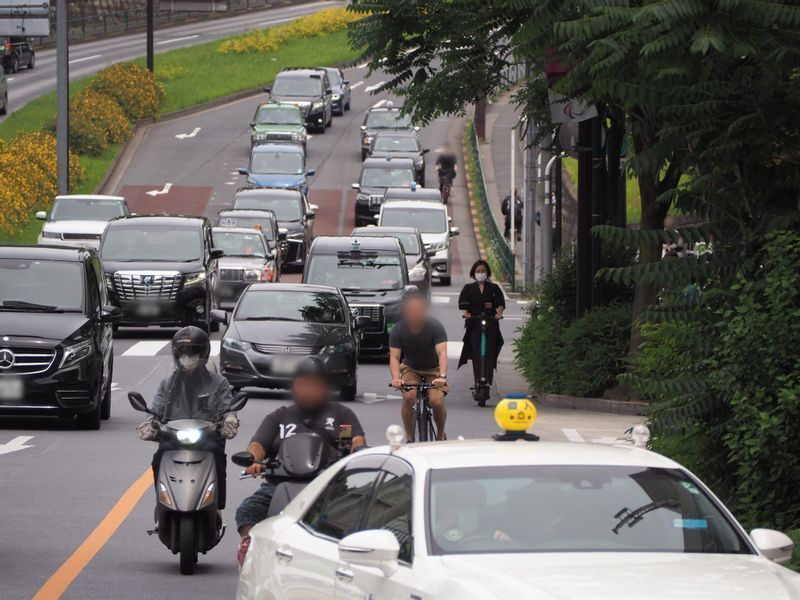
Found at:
[289, 420]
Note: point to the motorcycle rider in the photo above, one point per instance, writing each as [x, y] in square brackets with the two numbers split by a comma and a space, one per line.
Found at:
[446, 165]
[312, 410]
[192, 391]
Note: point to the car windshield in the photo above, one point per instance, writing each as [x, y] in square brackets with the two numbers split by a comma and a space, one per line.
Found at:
[424, 220]
[165, 244]
[85, 209]
[407, 240]
[575, 509]
[279, 163]
[262, 223]
[238, 243]
[382, 177]
[292, 86]
[387, 119]
[270, 115]
[285, 209]
[395, 144]
[376, 273]
[40, 285]
[283, 305]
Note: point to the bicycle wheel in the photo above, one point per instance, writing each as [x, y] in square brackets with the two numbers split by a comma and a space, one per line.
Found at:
[423, 422]
[433, 435]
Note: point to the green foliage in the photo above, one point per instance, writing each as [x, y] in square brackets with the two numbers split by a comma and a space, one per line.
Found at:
[538, 351]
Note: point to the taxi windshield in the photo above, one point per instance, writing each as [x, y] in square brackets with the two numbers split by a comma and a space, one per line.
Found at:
[280, 163]
[382, 177]
[575, 508]
[375, 273]
[264, 224]
[271, 115]
[240, 244]
[426, 220]
[396, 144]
[387, 119]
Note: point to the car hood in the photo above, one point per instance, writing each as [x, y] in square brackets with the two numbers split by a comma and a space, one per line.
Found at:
[291, 333]
[372, 190]
[622, 576]
[375, 130]
[272, 127]
[111, 266]
[236, 262]
[434, 238]
[70, 226]
[47, 329]
[291, 226]
[277, 180]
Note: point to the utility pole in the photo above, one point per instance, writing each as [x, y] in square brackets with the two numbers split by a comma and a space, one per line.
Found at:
[150, 34]
[598, 198]
[544, 211]
[513, 182]
[528, 216]
[584, 237]
[62, 97]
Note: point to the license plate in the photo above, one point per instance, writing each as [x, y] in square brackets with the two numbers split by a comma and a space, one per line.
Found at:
[283, 365]
[148, 310]
[11, 388]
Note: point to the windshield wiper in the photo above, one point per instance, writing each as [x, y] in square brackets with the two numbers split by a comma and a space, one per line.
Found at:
[22, 304]
[633, 517]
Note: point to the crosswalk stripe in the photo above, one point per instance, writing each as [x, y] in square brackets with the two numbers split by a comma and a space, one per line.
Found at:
[436, 299]
[146, 348]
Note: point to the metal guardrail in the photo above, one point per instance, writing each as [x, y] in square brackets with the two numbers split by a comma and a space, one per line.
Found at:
[494, 242]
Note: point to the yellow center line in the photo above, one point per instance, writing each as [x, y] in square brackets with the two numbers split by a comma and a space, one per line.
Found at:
[77, 562]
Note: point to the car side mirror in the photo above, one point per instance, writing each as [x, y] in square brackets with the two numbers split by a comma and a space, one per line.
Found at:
[355, 186]
[328, 92]
[218, 316]
[426, 150]
[41, 215]
[239, 400]
[774, 545]
[363, 128]
[377, 548]
[361, 322]
[252, 123]
[311, 172]
[243, 172]
[346, 82]
[454, 231]
[268, 90]
[313, 207]
[243, 459]
[416, 128]
[110, 314]
[282, 233]
[138, 402]
[216, 253]
[410, 289]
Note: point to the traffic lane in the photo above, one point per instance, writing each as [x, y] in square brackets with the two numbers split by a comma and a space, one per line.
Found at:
[89, 57]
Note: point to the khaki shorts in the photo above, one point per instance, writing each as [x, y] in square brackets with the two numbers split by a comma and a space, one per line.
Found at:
[410, 375]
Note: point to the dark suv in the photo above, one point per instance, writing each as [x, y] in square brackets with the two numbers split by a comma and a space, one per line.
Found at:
[377, 176]
[16, 53]
[308, 89]
[161, 270]
[372, 274]
[56, 347]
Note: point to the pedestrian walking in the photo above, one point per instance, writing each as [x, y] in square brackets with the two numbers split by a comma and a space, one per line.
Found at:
[505, 208]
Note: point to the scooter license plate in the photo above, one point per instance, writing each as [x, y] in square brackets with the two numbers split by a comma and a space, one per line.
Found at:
[11, 388]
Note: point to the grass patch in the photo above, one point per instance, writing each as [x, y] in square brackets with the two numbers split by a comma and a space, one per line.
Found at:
[633, 199]
[26, 235]
[95, 168]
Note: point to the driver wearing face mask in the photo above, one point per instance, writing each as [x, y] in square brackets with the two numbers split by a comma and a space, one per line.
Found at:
[192, 391]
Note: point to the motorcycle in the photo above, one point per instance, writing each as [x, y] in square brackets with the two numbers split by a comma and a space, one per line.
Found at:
[301, 457]
[186, 512]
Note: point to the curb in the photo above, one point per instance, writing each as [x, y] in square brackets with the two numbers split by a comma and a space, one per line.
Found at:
[600, 405]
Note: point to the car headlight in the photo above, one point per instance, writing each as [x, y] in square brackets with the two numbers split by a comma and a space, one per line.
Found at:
[360, 196]
[298, 137]
[234, 344]
[436, 247]
[109, 281]
[417, 273]
[258, 136]
[252, 275]
[194, 278]
[76, 352]
[338, 348]
[336, 96]
[298, 235]
[51, 235]
[317, 105]
[188, 436]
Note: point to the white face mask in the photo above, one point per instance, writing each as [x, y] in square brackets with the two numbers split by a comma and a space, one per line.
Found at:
[480, 277]
[189, 362]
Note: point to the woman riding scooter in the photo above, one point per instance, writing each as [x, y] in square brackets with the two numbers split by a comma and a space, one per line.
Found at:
[482, 303]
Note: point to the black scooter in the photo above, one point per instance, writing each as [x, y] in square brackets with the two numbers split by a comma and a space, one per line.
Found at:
[482, 389]
[187, 514]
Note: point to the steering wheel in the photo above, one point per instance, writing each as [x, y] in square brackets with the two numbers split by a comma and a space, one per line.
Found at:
[478, 536]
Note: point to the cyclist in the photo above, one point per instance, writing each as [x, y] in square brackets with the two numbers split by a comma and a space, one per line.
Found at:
[446, 165]
[483, 297]
[418, 350]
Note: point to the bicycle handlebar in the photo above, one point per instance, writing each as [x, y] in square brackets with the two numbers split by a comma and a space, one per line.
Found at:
[407, 387]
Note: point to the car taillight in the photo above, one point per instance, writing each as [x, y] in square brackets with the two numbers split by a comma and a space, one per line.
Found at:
[8, 45]
[244, 546]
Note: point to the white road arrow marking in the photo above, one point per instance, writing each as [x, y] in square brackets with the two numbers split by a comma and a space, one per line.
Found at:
[18, 443]
[154, 193]
[183, 136]
[371, 88]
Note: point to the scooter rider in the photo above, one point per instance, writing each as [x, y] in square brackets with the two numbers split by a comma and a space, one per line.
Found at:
[312, 411]
[191, 391]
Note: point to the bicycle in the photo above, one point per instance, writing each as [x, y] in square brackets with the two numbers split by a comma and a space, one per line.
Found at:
[445, 183]
[482, 389]
[423, 413]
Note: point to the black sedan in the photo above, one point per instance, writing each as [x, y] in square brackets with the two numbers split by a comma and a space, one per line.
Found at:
[274, 326]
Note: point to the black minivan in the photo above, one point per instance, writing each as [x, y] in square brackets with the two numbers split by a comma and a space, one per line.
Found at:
[161, 270]
[56, 347]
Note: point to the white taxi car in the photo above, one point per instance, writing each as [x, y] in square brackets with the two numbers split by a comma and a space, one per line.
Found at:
[511, 520]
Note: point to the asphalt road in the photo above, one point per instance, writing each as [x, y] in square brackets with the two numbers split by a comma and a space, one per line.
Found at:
[87, 58]
[55, 493]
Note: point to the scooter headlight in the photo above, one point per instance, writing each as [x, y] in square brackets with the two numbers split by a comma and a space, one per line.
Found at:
[188, 436]
[163, 495]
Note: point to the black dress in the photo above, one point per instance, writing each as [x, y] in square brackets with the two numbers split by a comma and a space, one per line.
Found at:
[478, 303]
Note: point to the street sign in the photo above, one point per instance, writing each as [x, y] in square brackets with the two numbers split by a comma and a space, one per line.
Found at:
[569, 110]
[193, 5]
[25, 18]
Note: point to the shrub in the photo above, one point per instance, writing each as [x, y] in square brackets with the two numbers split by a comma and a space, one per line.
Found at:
[96, 121]
[268, 40]
[133, 87]
[28, 177]
[538, 351]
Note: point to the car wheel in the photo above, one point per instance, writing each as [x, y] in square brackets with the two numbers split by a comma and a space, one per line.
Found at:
[14, 65]
[348, 392]
[32, 64]
[347, 106]
[4, 110]
[444, 280]
[105, 405]
[91, 420]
